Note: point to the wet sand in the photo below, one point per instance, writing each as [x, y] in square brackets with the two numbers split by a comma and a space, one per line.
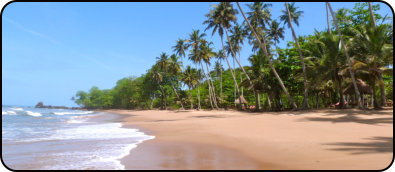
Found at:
[301, 140]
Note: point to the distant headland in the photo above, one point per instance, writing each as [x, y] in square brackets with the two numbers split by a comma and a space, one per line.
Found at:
[41, 105]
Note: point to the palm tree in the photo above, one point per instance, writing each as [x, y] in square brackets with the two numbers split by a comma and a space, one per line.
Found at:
[237, 38]
[219, 19]
[259, 15]
[220, 56]
[189, 79]
[262, 45]
[372, 52]
[158, 78]
[327, 19]
[195, 39]
[198, 78]
[174, 68]
[180, 47]
[330, 64]
[371, 14]
[382, 90]
[289, 16]
[206, 53]
[276, 32]
[348, 57]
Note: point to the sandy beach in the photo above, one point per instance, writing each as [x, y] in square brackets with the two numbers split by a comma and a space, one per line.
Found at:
[299, 140]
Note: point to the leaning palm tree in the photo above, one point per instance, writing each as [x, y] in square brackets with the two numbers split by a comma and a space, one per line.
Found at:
[348, 57]
[237, 37]
[188, 78]
[174, 68]
[382, 90]
[198, 77]
[262, 45]
[218, 70]
[260, 15]
[327, 19]
[180, 47]
[194, 41]
[276, 32]
[289, 16]
[220, 19]
[206, 53]
[158, 78]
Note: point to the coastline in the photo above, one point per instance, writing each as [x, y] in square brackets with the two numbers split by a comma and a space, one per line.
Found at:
[316, 139]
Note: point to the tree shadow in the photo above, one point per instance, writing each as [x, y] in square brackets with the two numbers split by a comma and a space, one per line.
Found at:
[208, 116]
[351, 118]
[377, 145]
[167, 120]
[370, 112]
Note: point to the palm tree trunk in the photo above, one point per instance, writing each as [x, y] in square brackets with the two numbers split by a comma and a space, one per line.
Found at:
[221, 79]
[372, 15]
[348, 57]
[199, 107]
[233, 74]
[209, 86]
[259, 102]
[270, 103]
[152, 102]
[382, 90]
[305, 98]
[190, 97]
[327, 19]
[214, 97]
[163, 97]
[241, 77]
[242, 68]
[178, 97]
[375, 102]
[268, 59]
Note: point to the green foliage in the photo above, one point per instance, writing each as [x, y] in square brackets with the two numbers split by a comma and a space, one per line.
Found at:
[168, 84]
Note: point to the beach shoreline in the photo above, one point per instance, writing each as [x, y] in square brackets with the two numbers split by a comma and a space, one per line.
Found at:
[315, 139]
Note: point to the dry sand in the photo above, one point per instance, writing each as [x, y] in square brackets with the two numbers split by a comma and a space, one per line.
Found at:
[300, 140]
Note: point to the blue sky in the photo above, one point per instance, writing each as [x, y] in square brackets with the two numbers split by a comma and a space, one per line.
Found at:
[52, 50]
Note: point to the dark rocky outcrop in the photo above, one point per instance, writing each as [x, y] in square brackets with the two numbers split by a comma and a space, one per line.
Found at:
[41, 105]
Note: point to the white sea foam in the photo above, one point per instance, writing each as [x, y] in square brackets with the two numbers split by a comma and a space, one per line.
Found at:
[8, 113]
[115, 143]
[36, 114]
[73, 113]
[17, 109]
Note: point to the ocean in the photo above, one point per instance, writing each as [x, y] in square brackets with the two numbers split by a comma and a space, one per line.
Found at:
[40, 138]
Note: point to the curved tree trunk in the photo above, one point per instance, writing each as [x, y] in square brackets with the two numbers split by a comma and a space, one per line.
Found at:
[294, 107]
[371, 14]
[164, 97]
[306, 96]
[209, 86]
[327, 19]
[382, 90]
[233, 74]
[178, 97]
[214, 97]
[190, 97]
[348, 57]
[242, 68]
[199, 107]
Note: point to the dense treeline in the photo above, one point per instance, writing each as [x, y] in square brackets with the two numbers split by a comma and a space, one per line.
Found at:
[352, 67]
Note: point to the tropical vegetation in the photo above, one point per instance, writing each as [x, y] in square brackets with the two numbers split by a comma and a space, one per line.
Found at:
[349, 64]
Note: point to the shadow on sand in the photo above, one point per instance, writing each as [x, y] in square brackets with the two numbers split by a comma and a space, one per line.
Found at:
[351, 118]
[376, 145]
